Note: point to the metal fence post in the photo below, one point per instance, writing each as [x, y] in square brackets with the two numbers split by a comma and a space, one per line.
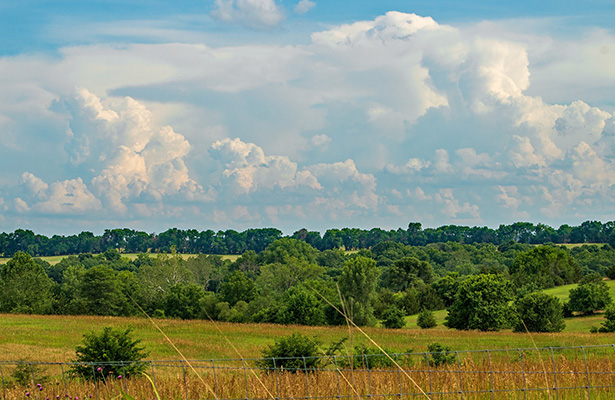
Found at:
[307, 380]
[277, 384]
[3, 385]
[459, 372]
[185, 381]
[337, 370]
[523, 374]
[33, 378]
[429, 372]
[213, 367]
[399, 367]
[95, 382]
[556, 388]
[63, 378]
[589, 395]
[153, 376]
[369, 377]
[491, 375]
[245, 374]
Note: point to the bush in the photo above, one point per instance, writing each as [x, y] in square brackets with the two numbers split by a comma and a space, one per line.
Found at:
[609, 324]
[108, 348]
[23, 373]
[393, 318]
[426, 319]
[539, 312]
[438, 354]
[589, 297]
[296, 352]
[367, 358]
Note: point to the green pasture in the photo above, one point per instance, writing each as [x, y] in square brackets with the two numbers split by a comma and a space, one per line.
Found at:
[131, 256]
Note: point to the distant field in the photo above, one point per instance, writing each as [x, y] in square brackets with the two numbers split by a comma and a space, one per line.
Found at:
[56, 259]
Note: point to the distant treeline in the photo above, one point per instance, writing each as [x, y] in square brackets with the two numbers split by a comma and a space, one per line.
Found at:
[233, 242]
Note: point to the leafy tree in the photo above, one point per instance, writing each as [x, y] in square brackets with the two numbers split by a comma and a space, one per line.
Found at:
[405, 272]
[609, 323]
[109, 346]
[481, 303]
[24, 286]
[296, 352]
[589, 297]
[539, 312]
[393, 318]
[237, 287]
[281, 250]
[426, 319]
[182, 301]
[301, 306]
[546, 266]
[357, 285]
[101, 292]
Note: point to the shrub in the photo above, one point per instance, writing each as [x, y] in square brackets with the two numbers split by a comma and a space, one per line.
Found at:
[109, 348]
[438, 354]
[609, 324]
[367, 358]
[296, 352]
[393, 318]
[589, 297]
[25, 371]
[426, 319]
[539, 312]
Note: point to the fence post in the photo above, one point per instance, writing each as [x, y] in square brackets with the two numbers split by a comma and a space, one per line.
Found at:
[153, 375]
[95, 382]
[307, 380]
[337, 370]
[277, 384]
[459, 372]
[491, 375]
[589, 396]
[523, 374]
[399, 367]
[429, 372]
[556, 388]
[245, 374]
[64, 378]
[3, 386]
[369, 377]
[213, 367]
[33, 378]
[185, 382]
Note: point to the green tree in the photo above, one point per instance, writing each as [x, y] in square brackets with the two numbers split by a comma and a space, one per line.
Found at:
[301, 306]
[24, 286]
[357, 285]
[481, 303]
[182, 301]
[546, 266]
[237, 287]
[589, 297]
[609, 320]
[101, 292]
[426, 319]
[110, 345]
[539, 312]
[393, 318]
[406, 272]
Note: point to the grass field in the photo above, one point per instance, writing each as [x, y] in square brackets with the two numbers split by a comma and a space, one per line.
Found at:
[131, 256]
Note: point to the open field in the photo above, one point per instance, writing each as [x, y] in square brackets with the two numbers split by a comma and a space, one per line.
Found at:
[131, 256]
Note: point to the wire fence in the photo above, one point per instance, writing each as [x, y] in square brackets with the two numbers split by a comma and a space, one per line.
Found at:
[584, 372]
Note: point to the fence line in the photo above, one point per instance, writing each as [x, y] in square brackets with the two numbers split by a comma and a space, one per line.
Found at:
[583, 372]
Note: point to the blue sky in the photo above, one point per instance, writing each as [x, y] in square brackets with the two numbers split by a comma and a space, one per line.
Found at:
[231, 114]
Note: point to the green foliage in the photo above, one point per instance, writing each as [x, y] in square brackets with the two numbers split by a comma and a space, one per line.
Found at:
[589, 297]
[426, 319]
[546, 266]
[24, 286]
[26, 372]
[393, 318]
[357, 285]
[302, 307]
[237, 287]
[539, 312]
[109, 346]
[182, 301]
[438, 354]
[609, 323]
[481, 303]
[364, 357]
[296, 352]
[406, 272]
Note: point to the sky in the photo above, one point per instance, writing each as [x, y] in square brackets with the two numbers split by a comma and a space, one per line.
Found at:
[237, 114]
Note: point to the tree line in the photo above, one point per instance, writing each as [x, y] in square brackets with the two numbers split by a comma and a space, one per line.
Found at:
[291, 282]
[192, 241]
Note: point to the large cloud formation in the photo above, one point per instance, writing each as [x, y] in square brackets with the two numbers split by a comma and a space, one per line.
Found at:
[370, 124]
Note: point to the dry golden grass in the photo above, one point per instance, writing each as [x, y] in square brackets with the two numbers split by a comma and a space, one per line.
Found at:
[474, 375]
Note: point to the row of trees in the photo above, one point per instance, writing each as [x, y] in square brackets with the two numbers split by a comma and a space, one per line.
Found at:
[292, 282]
[233, 242]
